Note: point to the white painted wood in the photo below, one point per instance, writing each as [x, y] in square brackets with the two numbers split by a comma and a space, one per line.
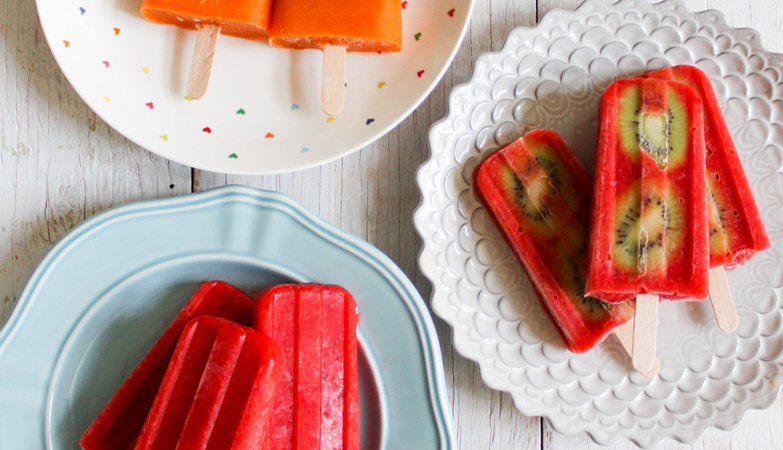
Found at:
[333, 83]
[60, 164]
[203, 59]
[722, 301]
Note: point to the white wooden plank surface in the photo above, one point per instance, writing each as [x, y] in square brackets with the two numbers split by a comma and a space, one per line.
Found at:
[60, 164]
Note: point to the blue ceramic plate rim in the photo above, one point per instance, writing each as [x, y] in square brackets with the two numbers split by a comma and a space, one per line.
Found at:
[317, 226]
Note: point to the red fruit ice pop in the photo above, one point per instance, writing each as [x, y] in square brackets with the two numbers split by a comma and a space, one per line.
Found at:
[217, 392]
[649, 235]
[119, 423]
[538, 194]
[317, 404]
[736, 230]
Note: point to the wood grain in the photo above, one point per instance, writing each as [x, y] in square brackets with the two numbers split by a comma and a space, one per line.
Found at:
[60, 164]
[722, 301]
[203, 59]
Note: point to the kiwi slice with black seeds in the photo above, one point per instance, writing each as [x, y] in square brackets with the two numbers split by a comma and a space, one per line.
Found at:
[643, 235]
[663, 136]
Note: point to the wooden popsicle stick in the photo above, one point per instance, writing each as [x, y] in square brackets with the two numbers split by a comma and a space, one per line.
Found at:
[645, 330]
[624, 334]
[722, 300]
[333, 85]
[203, 57]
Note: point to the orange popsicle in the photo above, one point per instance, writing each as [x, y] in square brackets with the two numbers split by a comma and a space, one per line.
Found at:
[336, 27]
[358, 25]
[243, 18]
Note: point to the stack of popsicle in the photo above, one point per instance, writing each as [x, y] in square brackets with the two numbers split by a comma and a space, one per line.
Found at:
[670, 202]
[210, 382]
[333, 26]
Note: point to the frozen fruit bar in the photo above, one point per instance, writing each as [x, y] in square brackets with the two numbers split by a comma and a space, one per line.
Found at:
[118, 424]
[317, 404]
[538, 194]
[735, 226]
[649, 223]
[243, 18]
[359, 25]
[217, 391]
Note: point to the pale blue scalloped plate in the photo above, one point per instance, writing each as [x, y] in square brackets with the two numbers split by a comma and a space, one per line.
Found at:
[105, 292]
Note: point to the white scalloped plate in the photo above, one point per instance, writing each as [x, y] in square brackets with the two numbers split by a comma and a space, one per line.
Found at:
[552, 76]
[262, 113]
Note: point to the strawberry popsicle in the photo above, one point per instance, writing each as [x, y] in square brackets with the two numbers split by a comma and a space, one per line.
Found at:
[735, 226]
[317, 404]
[649, 222]
[217, 391]
[119, 423]
[649, 235]
[336, 27]
[538, 194]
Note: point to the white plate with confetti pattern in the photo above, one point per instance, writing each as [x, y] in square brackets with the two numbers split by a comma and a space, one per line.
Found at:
[552, 76]
[262, 113]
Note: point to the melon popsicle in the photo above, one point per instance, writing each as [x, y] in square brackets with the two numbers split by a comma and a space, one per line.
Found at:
[243, 18]
[217, 391]
[336, 27]
[649, 235]
[735, 226]
[118, 425]
[317, 404]
[538, 194]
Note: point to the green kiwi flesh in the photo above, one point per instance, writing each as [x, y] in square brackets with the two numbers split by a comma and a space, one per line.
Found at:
[663, 136]
[646, 228]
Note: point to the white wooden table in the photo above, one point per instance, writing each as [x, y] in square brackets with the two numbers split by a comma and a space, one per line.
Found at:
[61, 164]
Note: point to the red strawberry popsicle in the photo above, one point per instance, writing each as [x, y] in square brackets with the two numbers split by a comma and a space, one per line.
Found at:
[538, 194]
[649, 235]
[217, 392]
[736, 230]
[119, 423]
[317, 404]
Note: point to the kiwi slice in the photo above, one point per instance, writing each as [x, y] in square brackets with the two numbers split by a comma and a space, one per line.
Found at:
[549, 160]
[719, 238]
[570, 273]
[647, 226]
[663, 136]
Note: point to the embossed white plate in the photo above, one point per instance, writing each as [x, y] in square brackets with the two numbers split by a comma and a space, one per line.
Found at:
[262, 113]
[552, 76]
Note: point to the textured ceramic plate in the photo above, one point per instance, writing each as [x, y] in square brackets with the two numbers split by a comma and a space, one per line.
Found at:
[104, 293]
[262, 113]
[552, 76]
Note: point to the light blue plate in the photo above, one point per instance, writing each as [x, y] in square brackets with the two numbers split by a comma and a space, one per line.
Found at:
[106, 291]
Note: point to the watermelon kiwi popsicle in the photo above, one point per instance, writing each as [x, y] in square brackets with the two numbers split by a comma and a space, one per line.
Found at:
[537, 193]
[649, 235]
[337, 26]
[317, 402]
[735, 227]
[118, 425]
[243, 18]
[217, 391]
